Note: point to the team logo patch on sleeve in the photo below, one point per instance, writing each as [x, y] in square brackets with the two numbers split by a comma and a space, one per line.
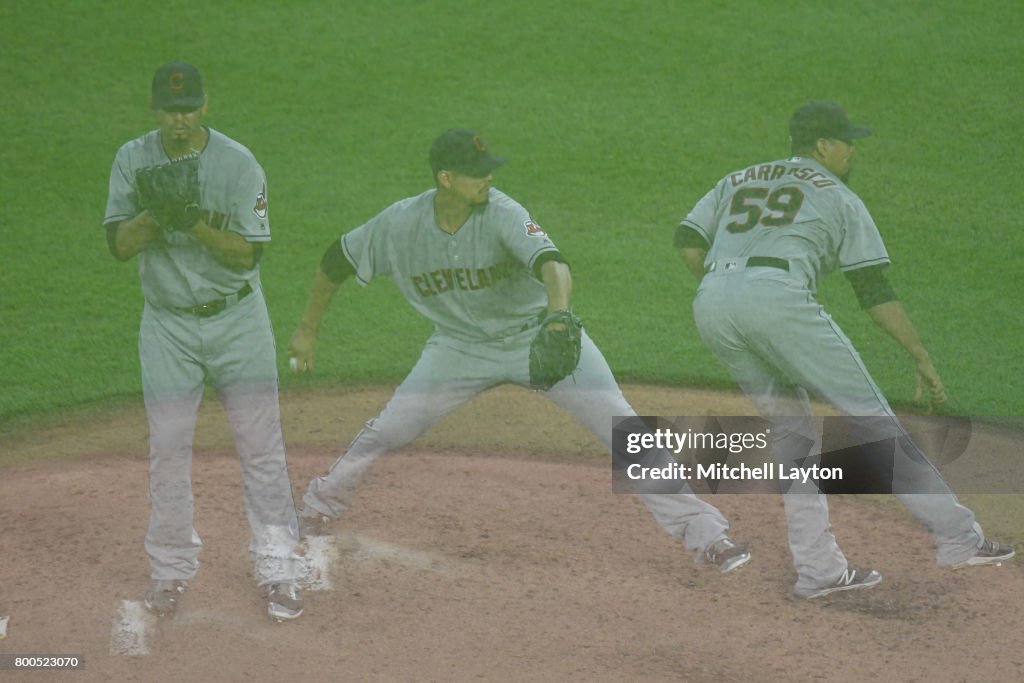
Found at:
[533, 229]
[260, 208]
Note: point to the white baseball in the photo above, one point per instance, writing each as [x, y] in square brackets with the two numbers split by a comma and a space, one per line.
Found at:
[293, 363]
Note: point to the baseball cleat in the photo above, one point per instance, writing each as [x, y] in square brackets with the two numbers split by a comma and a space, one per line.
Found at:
[284, 602]
[851, 580]
[163, 596]
[727, 555]
[990, 552]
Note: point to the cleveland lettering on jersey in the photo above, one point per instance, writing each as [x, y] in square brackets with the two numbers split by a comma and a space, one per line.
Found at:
[468, 279]
[769, 172]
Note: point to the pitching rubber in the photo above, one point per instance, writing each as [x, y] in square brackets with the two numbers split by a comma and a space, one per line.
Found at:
[132, 630]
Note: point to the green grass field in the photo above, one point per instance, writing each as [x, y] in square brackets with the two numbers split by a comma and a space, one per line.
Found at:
[617, 117]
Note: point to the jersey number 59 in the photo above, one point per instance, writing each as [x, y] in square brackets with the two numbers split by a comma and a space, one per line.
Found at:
[770, 210]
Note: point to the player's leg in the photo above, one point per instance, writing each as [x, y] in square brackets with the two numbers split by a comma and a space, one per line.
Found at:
[445, 377]
[817, 557]
[172, 383]
[593, 397]
[721, 317]
[244, 371]
[820, 356]
[921, 487]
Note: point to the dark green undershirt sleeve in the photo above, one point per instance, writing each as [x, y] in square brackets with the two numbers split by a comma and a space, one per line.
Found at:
[544, 258]
[334, 264]
[688, 238]
[871, 286]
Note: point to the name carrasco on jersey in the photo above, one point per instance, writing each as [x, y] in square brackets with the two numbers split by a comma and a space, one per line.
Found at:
[769, 172]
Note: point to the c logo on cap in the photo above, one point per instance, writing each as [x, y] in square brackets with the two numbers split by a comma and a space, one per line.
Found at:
[177, 80]
[479, 144]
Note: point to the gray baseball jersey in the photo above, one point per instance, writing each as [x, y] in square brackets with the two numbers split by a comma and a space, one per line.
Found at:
[179, 271]
[774, 230]
[474, 284]
[180, 349]
[792, 209]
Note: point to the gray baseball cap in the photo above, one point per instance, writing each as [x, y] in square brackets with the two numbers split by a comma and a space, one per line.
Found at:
[816, 120]
[462, 150]
[177, 84]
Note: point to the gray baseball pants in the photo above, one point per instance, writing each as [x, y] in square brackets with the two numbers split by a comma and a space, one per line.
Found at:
[235, 350]
[779, 343]
[450, 372]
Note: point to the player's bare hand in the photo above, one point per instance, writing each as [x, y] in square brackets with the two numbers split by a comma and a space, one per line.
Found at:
[302, 350]
[928, 386]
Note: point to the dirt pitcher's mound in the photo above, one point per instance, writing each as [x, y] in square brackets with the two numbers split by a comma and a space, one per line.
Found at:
[461, 563]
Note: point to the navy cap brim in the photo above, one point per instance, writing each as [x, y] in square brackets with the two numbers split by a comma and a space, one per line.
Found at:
[164, 103]
[482, 166]
[856, 133]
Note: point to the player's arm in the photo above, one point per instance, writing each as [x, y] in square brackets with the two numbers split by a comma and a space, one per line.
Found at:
[334, 269]
[693, 249]
[229, 248]
[893, 318]
[127, 238]
[876, 296]
[557, 279]
[238, 245]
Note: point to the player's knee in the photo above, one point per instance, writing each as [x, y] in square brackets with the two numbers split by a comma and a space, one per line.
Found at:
[388, 435]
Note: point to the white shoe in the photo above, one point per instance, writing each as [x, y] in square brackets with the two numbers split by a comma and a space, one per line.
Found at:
[284, 602]
[851, 580]
[727, 555]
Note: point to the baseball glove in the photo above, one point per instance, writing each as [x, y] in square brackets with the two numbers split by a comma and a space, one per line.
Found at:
[555, 351]
[170, 192]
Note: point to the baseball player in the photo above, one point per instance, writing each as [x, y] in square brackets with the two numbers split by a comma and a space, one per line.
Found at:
[759, 242]
[474, 262]
[204, 318]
